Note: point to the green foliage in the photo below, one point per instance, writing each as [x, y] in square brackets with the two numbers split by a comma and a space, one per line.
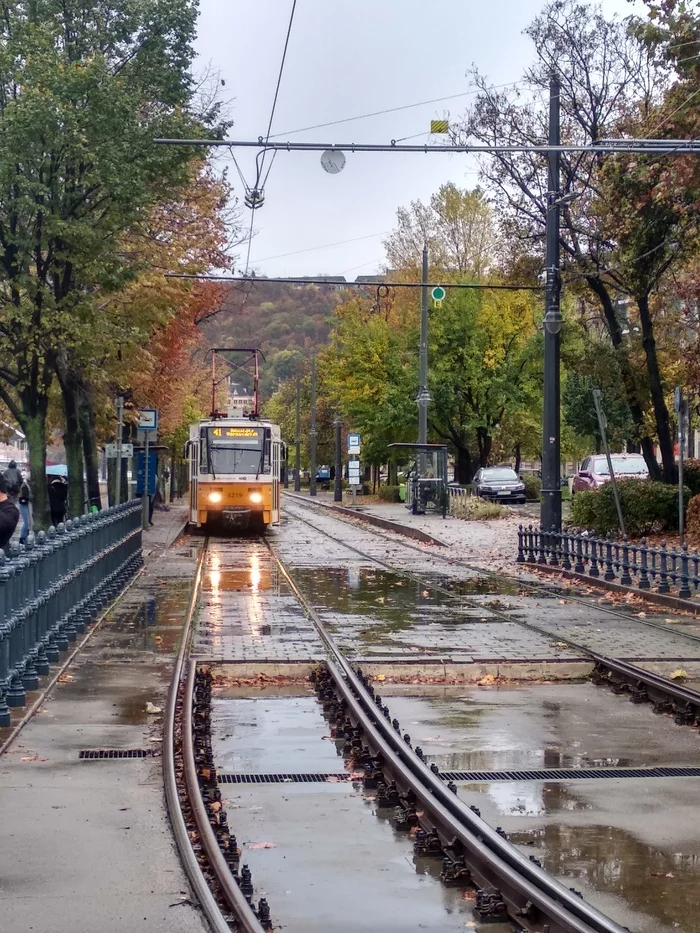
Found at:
[533, 486]
[647, 507]
[389, 493]
[579, 409]
[691, 476]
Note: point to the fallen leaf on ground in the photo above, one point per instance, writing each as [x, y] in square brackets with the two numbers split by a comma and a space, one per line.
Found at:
[560, 644]
[678, 674]
[488, 679]
[380, 677]
[65, 679]
[33, 758]
[261, 845]
[152, 708]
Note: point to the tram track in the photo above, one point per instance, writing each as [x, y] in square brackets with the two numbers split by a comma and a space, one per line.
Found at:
[537, 588]
[510, 886]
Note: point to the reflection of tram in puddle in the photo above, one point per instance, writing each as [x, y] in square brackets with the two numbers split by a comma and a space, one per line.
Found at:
[234, 467]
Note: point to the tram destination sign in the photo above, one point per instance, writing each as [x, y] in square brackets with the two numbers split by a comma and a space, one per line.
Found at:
[148, 419]
[354, 443]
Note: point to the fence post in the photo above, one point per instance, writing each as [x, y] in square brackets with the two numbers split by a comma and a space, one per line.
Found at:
[593, 569]
[684, 591]
[625, 579]
[579, 568]
[663, 580]
[520, 559]
[643, 574]
[609, 571]
[566, 539]
[542, 559]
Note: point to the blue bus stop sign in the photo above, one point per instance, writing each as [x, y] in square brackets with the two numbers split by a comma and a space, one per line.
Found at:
[152, 470]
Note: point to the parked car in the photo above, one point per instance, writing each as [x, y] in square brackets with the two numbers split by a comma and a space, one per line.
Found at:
[499, 483]
[594, 471]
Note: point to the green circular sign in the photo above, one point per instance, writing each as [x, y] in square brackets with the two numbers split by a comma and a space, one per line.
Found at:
[438, 293]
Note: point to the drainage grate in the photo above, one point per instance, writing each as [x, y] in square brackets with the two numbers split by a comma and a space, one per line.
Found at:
[92, 753]
[546, 774]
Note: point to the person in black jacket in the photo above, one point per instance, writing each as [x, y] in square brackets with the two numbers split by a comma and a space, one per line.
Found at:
[25, 511]
[9, 515]
[13, 481]
[58, 497]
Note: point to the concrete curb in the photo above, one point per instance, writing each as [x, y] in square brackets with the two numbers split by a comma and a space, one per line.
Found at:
[416, 533]
[660, 599]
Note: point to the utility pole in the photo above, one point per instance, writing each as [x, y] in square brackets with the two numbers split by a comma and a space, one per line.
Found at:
[681, 406]
[312, 433]
[550, 510]
[297, 440]
[603, 424]
[118, 466]
[338, 486]
[145, 517]
[423, 397]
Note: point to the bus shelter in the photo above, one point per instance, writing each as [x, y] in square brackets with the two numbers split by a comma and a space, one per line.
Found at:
[426, 482]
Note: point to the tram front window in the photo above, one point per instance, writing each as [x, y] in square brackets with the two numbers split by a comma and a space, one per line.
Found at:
[233, 450]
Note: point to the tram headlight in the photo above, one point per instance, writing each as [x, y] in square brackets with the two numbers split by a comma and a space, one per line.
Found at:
[215, 497]
[256, 497]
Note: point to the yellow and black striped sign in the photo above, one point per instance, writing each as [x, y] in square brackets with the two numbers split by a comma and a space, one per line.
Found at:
[439, 126]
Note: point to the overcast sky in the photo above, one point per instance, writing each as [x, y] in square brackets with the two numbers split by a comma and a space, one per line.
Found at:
[345, 58]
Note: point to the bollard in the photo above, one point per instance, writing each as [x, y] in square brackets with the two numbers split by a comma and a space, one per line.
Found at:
[684, 591]
[609, 570]
[643, 583]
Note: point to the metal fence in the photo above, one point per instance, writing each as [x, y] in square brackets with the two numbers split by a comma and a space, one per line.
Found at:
[51, 589]
[639, 565]
[458, 497]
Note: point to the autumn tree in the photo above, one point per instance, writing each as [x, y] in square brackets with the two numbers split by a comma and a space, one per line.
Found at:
[611, 84]
[84, 89]
[457, 225]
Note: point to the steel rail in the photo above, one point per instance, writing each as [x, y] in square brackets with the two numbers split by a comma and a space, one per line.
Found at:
[246, 918]
[657, 686]
[197, 881]
[482, 571]
[492, 859]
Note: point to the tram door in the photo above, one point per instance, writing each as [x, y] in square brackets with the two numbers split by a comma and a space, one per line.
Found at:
[194, 475]
[275, 482]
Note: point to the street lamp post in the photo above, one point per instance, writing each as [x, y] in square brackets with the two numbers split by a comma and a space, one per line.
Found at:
[550, 510]
[423, 397]
[338, 486]
[297, 441]
[312, 432]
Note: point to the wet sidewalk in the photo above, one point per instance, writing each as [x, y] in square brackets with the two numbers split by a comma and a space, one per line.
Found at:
[86, 843]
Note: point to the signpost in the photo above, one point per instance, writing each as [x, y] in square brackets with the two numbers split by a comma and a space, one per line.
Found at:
[112, 451]
[148, 422]
[354, 447]
[118, 445]
[681, 406]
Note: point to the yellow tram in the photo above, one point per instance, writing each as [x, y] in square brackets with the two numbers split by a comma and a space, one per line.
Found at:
[235, 473]
[235, 464]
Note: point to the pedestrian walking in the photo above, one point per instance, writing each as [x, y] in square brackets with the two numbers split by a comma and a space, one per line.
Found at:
[13, 481]
[25, 497]
[58, 497]
[9, 514]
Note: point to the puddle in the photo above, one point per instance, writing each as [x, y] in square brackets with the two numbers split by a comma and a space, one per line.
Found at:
[153, 623]
[539, 726]
[665, 886]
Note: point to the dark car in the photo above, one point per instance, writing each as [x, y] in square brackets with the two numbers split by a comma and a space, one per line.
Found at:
[499, 483]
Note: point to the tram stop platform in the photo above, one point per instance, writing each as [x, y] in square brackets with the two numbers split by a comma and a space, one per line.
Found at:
[86, 841]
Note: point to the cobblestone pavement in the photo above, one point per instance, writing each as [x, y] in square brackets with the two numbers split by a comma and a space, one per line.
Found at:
[373, 611]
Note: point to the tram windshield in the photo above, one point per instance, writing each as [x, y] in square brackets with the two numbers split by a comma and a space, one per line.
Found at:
[234, 449]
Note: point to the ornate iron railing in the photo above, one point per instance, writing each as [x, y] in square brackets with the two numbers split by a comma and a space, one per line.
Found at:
[630, 564]
[54, 587]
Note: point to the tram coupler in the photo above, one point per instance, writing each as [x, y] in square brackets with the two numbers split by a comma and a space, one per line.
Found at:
[491, 908]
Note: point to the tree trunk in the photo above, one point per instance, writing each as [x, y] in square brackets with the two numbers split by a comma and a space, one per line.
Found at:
[86, 416]
[518, 458]
[485, 442]
[73, 442]
[464, 473]
[34, 426]
[628, 380]
[663, 424]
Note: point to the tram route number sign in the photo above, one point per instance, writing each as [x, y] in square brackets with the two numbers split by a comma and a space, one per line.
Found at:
[111, 451]
[354, 443]
[148, 419]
